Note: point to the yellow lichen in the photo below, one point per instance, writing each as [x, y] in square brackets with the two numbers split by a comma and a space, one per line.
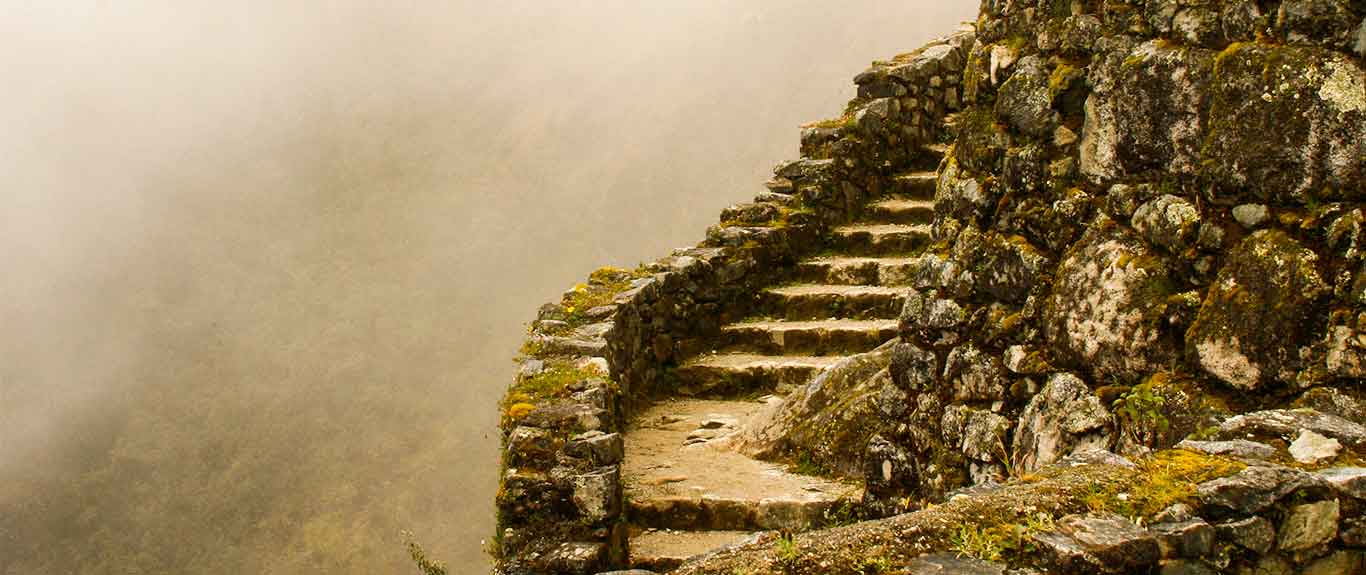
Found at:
[520, 410]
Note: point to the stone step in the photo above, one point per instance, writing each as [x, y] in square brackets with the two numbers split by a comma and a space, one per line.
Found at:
[681, 473]
[843, 270]
[930, 156]
[918, 185]
[880, 239]
[723, 374]
[822, 337]
[663, 550]
[816, 301]
[899, 210]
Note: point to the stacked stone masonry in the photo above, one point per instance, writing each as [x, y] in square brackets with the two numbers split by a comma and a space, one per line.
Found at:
[1142, 232]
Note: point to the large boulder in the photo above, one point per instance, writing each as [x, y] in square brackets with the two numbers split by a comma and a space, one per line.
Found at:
[1147, 111]
[1286, 124]
[1108, 305]
[1024, 100]
[1065, 416]
[829, 420]
[1258, 312]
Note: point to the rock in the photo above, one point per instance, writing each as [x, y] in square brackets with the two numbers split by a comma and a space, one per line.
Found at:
[1308, 526]
[1191, 538]
[1353, 532]
[1311, 447]
[1283, 423]
[576, 558]
[1238, 448]
[1063, 137]
[1110, 542]
[628, 572]
[1175, 513]
[600, 448]
[1254, 489]
[1347, 481]
[974, 375]
[1146, 111]
[597, 495]
[1329, 22]
[530, 446]
[1341, 562]
[1095, 457]
[1247, 331]
[1250, 215]
[1168, 221]
[831, 418]
[789, 514]
[930, 321]
[1108, 302]
[1010, 267]
[1286, 121]
[984, 435]
[1185, 567]
[566, 415]
[912, 368]
[1332, 401]
[961, 195]
[1122, 200]
[1024, 101]
[714, 422]
[952, 564]
[1255, 534]
[1065, 416]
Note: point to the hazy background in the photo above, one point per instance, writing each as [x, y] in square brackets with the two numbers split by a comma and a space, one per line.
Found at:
[264, 264]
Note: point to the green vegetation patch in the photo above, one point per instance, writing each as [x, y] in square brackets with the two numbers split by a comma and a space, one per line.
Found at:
[551, 383]
[603, 286]
[1165, 478]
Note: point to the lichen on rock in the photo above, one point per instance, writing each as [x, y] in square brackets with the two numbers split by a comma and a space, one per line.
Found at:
[1247, 330]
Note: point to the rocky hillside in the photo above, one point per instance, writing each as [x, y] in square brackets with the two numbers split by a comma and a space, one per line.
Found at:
[1081, 288]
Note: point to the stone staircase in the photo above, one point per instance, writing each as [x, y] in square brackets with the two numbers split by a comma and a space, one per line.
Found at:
[686, 492]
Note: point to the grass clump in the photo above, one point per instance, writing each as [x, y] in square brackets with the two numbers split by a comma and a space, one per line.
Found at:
[999, 541]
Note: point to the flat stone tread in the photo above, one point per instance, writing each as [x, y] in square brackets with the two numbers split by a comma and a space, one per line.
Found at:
[674, 544]
[825, 324]
[857, 261]
[898, 204]
[883, 229]
[752, 361]
[659, 466]
[919, 175]
[940, 149]
[837, 289]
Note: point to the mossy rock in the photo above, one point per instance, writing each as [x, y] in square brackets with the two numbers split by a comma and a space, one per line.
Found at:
[1287, 124]
[1265, 305]
[1106, 314]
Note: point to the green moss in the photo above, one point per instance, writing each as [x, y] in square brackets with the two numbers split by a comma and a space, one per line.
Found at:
[603, 286]
[1062, 78]
[1166, 477]
[551, 383]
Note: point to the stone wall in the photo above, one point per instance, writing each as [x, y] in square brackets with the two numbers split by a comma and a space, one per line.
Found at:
[609, 344]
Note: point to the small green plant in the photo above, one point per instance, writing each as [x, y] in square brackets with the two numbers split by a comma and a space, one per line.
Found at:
[787, 550]
[846, 513]
[425, 564]
[1140, 412]
[985, 543]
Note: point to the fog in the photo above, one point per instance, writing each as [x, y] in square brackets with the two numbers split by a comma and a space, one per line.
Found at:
[264, 265]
